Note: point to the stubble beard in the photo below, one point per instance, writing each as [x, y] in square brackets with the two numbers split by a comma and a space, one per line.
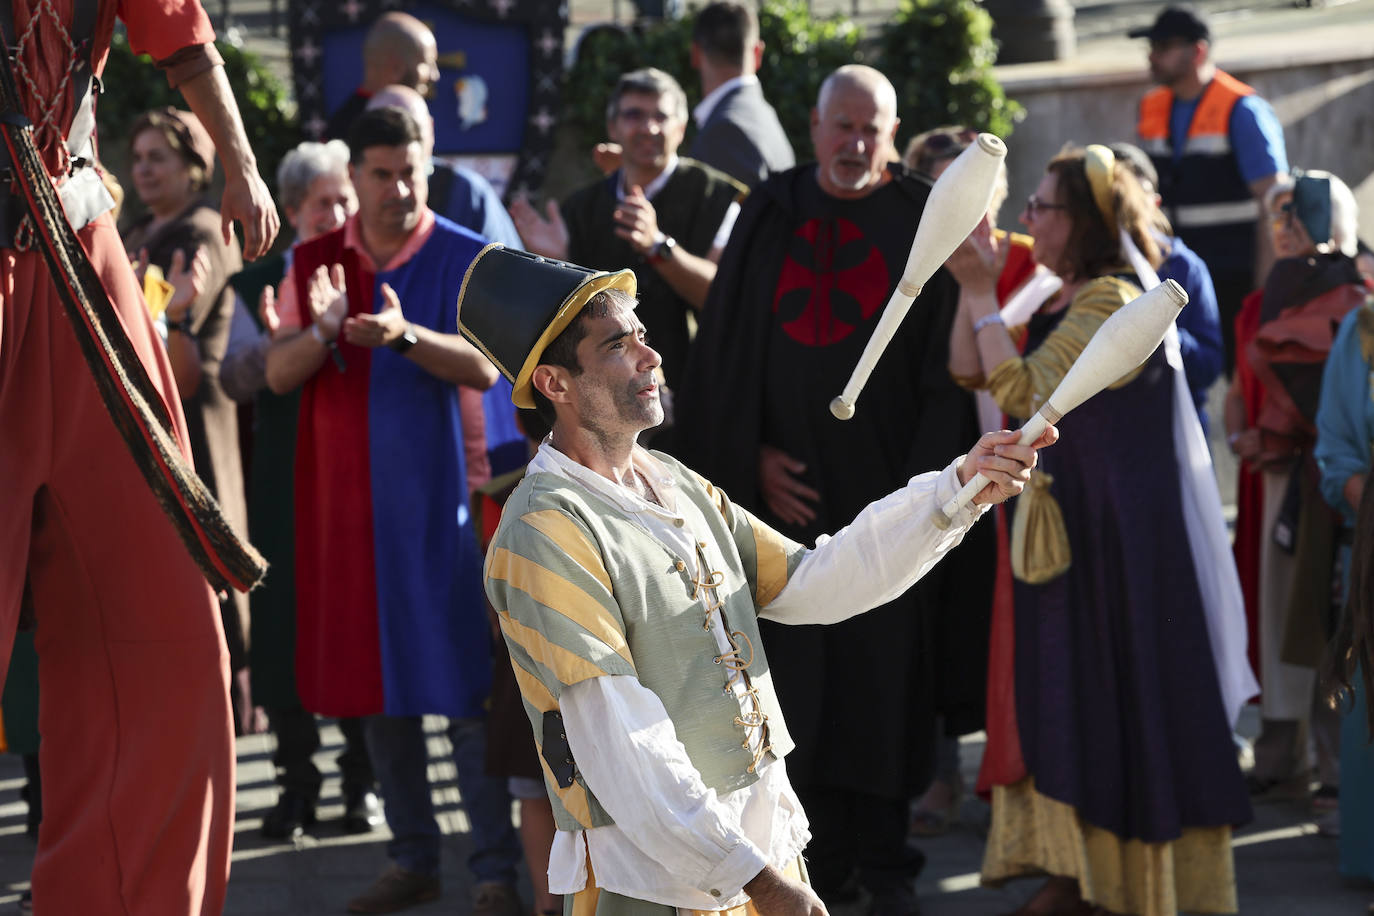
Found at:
[629, 415]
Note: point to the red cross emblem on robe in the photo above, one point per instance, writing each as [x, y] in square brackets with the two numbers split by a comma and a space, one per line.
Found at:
[832, 280]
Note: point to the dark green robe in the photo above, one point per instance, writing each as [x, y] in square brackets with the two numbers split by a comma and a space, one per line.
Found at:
[271, 520]
[690, 208]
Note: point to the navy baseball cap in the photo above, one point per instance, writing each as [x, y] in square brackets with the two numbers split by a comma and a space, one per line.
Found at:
[1175, 22]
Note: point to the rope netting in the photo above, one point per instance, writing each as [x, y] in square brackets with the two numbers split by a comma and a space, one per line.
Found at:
[44, 60]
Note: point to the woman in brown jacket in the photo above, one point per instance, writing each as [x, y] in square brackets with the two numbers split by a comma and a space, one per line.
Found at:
[172, 162]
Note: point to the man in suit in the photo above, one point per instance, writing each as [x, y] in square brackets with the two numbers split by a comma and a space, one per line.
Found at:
[737, 130]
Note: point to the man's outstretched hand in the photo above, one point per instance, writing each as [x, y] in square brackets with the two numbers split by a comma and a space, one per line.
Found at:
[1005, 464]
[775, 894]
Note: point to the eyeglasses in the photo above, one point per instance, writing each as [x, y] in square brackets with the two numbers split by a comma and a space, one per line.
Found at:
[637, 116]
[1035, 205]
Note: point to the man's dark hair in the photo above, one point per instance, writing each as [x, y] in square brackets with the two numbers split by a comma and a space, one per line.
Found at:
[381, 127]
[562, 350]
[725, 32]
[1136, 159]
[649, 81]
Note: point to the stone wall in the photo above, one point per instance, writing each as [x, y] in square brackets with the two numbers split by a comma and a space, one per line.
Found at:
[1324, 97]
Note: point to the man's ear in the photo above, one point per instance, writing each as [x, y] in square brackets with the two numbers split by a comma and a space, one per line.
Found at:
[695, 56]
[552, 382]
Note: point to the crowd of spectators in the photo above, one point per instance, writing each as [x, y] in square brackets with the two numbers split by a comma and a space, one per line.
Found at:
[343, 423]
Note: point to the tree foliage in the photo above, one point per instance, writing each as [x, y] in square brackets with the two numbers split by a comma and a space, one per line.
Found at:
[938, 54]
[134, 85]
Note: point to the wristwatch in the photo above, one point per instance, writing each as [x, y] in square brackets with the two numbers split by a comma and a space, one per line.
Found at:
[664, 250]
[184, 325]
[405, 341]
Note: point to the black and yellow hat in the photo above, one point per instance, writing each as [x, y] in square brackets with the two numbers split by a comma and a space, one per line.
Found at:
[513, 304]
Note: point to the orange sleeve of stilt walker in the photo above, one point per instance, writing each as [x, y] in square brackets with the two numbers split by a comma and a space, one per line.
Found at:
[161, 28]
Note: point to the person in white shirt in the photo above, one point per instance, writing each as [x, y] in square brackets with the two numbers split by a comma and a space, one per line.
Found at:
[629, 589]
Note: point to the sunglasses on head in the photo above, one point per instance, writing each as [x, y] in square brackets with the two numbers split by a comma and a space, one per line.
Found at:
[948, 141]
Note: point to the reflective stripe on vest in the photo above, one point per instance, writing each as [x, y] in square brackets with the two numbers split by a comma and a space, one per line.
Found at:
[1208, 145]
[1204, 188]
[1195, 215]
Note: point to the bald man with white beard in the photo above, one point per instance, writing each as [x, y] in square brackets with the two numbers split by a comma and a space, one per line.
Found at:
[803, 281]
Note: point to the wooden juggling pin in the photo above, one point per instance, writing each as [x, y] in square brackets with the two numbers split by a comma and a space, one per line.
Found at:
[1123, 342]
[958, 200]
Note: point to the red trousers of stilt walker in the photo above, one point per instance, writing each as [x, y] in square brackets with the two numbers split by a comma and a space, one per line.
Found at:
[137, 748]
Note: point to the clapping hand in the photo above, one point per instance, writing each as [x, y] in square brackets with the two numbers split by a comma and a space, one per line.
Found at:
[267, 310]
[187, 281]
[327, 298]
[974, 263]
[380, 329]
[636, 221]
[548, 237]
[607, 157]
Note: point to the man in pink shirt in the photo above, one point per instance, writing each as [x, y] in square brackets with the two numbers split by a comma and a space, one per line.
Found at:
[391, 622]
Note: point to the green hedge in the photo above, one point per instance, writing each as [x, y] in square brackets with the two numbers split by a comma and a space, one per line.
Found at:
[134, 85]
[938, 54]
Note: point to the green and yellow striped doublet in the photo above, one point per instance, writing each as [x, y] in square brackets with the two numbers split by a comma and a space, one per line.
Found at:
[584, 591]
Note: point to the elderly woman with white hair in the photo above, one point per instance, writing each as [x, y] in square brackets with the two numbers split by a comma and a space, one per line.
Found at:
[1284, 530]
[315, 192]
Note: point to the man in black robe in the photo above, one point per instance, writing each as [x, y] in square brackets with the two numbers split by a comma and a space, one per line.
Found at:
[811, 261]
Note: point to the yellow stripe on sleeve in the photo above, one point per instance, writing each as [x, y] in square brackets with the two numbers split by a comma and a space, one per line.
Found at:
[558, 594]
[770, 551]
[531, 688]
[573, 798]
[568, 667]
[564, 532]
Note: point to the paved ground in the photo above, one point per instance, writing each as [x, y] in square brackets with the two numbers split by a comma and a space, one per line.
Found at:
[1284, 868]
